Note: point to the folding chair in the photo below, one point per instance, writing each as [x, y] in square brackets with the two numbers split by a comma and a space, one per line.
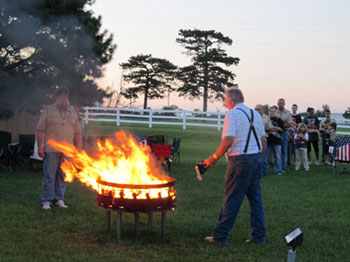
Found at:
[162, 152]
[27, 143]
[175, 150]
[8, 152]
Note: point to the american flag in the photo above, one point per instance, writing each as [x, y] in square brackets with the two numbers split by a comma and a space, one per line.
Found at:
[142, 140]
[343, 149]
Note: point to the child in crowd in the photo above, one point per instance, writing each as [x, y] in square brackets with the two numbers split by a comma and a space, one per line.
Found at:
[301, 138]
[330, 140]
[291, 147]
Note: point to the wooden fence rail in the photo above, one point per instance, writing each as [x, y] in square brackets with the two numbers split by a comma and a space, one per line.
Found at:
[152, 117]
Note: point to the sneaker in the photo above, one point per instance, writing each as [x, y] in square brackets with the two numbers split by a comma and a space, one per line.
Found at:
[60, 204]
[317, 162]
[210, 240]
[46, 205]
[310, 162]
[297, 168]
[279, 174]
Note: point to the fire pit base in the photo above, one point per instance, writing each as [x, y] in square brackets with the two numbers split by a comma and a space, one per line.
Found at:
[137, 222]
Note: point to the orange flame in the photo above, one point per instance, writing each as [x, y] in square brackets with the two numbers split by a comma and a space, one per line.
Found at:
[122, 162]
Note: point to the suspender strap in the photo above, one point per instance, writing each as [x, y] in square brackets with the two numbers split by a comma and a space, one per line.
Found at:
[251, 128]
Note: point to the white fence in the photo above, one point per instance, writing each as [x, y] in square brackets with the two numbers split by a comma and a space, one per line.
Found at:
[152, 117]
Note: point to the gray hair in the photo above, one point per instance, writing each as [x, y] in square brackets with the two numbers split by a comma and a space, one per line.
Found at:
[235, 94]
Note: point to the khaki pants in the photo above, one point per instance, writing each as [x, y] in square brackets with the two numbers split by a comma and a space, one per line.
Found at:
[301, 156]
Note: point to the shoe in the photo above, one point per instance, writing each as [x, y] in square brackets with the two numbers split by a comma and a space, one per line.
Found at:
[310, 162]
[46, 205]
[317, 162]
[250, 241]
[297, 168]
[210, 240]
[60, 204]
[279, 174]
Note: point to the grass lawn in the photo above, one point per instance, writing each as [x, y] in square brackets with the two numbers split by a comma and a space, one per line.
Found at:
[317, 201]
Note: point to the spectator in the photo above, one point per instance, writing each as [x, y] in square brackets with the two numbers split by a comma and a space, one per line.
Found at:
[286, 117]
[323, 131]
[330, 140]
[291, 146]
[295, 116]
[266, 119]
[274, 143]
[312, 124]
[301, 139]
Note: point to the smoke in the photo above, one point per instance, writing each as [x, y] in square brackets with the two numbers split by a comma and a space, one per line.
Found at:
[41, 48]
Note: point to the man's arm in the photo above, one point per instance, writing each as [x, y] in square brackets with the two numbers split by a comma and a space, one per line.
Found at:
[78, 141]
[263, 143]
[226, 142]
[39, 139]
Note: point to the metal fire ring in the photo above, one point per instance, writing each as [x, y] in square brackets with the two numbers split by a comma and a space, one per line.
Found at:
[135, 186]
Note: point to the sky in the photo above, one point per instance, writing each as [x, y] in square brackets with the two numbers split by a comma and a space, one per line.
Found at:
[294, 49]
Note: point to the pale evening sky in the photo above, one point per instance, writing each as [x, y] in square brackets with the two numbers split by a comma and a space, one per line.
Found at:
[295, 49]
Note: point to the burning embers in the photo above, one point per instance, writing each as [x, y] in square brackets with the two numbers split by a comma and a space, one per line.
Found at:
[124, 174]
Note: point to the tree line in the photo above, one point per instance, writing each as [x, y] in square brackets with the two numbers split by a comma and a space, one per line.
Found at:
[49, 43]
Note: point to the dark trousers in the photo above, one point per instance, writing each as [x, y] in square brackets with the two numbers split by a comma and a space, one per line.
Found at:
[243, 176]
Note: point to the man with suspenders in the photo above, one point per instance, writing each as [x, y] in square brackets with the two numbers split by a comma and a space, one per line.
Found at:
[243, 142]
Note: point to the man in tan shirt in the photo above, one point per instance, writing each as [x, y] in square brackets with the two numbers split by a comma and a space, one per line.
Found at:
[59, 122]
[287, 118]
[266, 119]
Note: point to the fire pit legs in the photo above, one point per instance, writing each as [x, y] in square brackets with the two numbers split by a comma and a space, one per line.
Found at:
[150, 221]
[108, 220]
[119, 224]
[137, 223]
[163, 224]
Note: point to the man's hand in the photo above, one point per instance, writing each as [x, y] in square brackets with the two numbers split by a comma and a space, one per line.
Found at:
[41, 152]
[210, 161]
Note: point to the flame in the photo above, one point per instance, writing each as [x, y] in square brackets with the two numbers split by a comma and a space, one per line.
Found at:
[122, 162]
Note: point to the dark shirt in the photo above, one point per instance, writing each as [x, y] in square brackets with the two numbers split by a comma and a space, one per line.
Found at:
[297, 118]
[312, 121]
[275, 138]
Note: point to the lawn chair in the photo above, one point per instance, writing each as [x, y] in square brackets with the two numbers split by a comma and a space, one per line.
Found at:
[342, 159]
[175, 151]
[163, 153]
[27, 143]
[8, 152]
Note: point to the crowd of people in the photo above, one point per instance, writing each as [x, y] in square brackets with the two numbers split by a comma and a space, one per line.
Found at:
[290, 139]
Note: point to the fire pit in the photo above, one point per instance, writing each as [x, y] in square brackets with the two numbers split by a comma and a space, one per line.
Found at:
[136, 199]
[126, 177]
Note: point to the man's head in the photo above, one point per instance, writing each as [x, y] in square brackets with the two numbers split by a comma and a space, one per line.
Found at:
[310, 111]
[62, 96]
[233, 96]
[260, 109]
[281, 103]
[327, 114]
[272, 111]
[294, 109]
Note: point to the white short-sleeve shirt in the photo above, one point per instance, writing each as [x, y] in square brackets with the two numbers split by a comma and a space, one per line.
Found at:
[236, 124]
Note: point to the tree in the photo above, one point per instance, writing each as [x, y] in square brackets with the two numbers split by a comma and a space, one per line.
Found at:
[204, 77]
[48, 43]
[149, 75]
[347, 113]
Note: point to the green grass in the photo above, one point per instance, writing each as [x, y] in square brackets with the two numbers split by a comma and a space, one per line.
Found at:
[317, 201]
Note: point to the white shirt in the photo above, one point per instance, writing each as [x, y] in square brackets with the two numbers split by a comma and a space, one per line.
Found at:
[236, 124]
